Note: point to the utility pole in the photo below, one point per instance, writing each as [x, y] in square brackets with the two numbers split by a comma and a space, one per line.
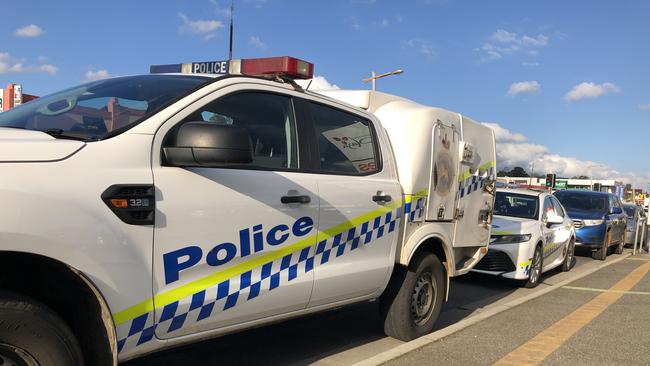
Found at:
[232, 11]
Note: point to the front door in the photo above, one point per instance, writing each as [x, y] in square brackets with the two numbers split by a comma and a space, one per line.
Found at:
[227, 249]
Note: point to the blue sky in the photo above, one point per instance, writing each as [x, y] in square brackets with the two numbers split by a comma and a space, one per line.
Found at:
[564, 83]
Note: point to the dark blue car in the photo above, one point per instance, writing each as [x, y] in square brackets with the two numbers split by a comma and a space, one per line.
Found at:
[598, 218]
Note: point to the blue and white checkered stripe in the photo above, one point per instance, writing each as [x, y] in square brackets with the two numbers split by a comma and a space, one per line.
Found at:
[474, 183]
[253, 283]
[414, 211]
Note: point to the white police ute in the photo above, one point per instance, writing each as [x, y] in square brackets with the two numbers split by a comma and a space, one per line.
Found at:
[531, 234]
[144, 212]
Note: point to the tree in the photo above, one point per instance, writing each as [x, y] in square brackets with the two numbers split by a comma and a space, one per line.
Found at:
[517, 172]
[580, 177]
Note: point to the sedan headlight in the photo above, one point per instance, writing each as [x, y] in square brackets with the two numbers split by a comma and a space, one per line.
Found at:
[593, 222]
[510, 239]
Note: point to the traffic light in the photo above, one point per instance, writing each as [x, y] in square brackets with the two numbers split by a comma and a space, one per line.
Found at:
[597, 187]
[550, 180]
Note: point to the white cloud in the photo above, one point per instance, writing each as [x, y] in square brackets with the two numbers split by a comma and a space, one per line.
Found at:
[224, 12]
[644, 107]
[512, 151]
[530, 64]
[590, 90]
[29, 31]
[11, 65]
[523, 87]
[502, 134]
[317, 83]
[502, 43]
[420, 46]
[92, 75]
[205, 28]
[353, 22]
[257, 43]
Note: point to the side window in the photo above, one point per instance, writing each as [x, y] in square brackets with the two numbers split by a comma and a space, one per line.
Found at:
[548, 207]
[559, 210]
[346, 142]
[269, 119]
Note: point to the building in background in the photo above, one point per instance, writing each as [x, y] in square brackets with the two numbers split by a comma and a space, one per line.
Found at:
[602, 185]
[12, 96]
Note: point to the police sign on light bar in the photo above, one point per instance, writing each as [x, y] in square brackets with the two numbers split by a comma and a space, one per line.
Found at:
[282, 66]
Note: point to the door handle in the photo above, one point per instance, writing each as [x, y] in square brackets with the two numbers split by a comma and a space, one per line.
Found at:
[380, 197]
[295, 199]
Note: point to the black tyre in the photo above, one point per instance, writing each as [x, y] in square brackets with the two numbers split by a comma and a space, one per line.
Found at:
[535, 274]
[32, 334]
[621, 245]
[412, 302]
[569, 258]
[601, 254]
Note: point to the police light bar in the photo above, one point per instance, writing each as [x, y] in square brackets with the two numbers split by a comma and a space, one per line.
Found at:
[286, 66]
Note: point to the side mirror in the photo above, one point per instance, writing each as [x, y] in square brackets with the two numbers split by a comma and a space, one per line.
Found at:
[552, 218]
[615, 210]
[203, 144]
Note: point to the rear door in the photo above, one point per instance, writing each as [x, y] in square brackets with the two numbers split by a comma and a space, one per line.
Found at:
[360, 200]
[476, 185]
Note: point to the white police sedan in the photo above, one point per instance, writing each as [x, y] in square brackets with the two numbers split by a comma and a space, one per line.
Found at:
[531, 234]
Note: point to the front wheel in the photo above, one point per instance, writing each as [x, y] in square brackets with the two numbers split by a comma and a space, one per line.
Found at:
[621, 245]
[601, 254]
[535, 268]
[569, 258]
[33, 335]
[412, 302]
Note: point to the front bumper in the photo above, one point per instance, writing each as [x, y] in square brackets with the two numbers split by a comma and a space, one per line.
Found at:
[507, 260]
[591, 236]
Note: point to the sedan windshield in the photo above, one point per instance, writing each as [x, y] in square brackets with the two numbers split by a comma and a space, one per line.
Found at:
[575, 201]
[102, 108]
[516, 205]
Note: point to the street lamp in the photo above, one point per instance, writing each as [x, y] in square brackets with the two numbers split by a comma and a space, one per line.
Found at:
[591, 174]
[374, 77]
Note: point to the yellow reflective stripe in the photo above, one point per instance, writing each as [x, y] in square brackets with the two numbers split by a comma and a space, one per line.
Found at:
[193, 287]
[526, 263]
[408, 198]
[483, 167]
[501, 233]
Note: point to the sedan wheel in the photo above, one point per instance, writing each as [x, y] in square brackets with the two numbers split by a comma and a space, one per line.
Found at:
[535, 268]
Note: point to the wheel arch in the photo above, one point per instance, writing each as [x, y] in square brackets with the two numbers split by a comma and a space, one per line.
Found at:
[54, 284]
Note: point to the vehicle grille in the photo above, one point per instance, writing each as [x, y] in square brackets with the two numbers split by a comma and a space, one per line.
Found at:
[496, 261]
[578, 224]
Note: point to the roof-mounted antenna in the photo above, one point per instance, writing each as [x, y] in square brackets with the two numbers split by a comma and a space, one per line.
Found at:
[232, 11]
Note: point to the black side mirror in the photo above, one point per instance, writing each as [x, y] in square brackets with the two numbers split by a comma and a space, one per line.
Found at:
[615, 210]
[204, 144]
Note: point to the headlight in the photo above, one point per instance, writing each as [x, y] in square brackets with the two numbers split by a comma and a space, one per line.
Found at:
[510, 239]
[593, 222]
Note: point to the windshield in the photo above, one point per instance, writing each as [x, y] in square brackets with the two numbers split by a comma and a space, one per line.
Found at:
[582, 202]
[95, 110]
[629, 210]
[516, 205]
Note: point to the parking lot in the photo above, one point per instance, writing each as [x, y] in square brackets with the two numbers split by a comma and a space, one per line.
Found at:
[492, 314]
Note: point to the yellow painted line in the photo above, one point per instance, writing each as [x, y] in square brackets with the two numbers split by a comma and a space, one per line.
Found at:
[606, 290]
[483, 167]
[193, 287]
[550, 339]
[638, 259]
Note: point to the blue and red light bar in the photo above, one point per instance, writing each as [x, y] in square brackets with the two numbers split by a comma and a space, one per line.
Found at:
[284, 66]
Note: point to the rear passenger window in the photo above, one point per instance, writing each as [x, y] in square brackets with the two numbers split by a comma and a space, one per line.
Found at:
[269, 119]
[346, 143]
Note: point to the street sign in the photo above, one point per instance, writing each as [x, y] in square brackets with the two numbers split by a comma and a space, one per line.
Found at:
[560, 184]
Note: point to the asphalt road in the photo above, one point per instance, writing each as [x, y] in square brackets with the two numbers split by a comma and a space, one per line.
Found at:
[618, 335]
[348, 335]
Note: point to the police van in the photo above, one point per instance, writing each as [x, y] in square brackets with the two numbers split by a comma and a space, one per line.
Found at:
[144, 212]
